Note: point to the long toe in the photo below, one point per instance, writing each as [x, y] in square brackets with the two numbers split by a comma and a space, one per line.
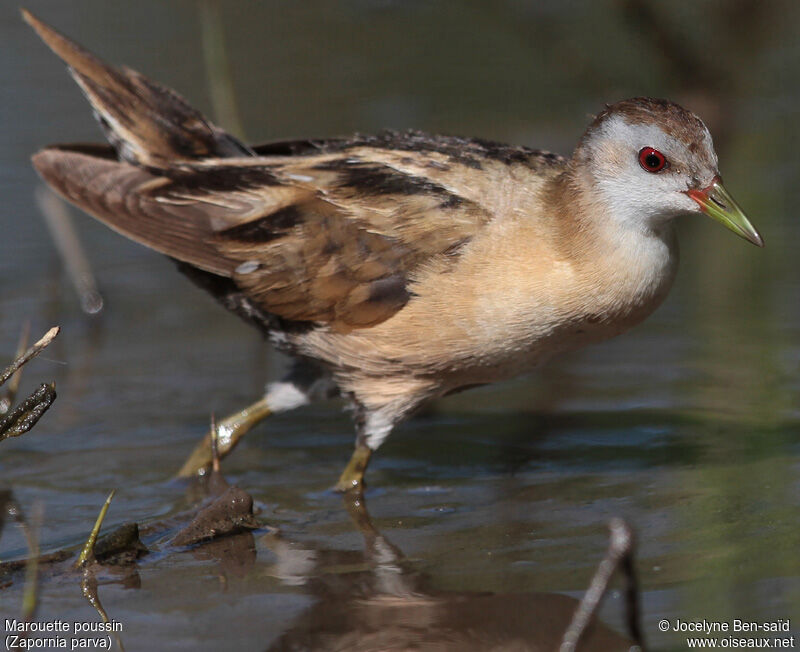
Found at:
[230, 430]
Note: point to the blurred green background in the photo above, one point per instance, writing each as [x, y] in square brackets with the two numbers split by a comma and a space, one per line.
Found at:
[688, 426]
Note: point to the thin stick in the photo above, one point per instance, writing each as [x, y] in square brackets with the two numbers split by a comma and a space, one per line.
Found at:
[87, 553]
[32, 352]
[13, 386]
[30, 596]
[214, 445]
[632, 610]
[66, 240]
[620, 548]
[223, 96]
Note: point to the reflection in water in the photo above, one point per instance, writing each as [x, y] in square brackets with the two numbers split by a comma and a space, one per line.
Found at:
[364, 600]
[374, 602]
[235, 554]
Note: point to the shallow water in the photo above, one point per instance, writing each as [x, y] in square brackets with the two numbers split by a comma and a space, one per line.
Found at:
[687, 427]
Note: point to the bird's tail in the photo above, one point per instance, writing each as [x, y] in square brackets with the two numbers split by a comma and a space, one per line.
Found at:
[155, 135]
[148, 124]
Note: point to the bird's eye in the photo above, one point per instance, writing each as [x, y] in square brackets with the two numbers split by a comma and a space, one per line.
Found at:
[651, 159]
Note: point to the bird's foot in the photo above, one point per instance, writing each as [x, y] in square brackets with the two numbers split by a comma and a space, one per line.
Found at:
[352, 478]
[229, 431]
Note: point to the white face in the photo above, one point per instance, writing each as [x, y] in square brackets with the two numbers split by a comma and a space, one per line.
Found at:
[636, 192]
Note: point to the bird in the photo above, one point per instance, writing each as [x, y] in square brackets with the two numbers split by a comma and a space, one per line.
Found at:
[398, 267]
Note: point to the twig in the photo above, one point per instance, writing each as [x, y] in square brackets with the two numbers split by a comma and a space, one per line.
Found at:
[25, 416]
[13, 510]
[89, 580]
[87, 553]
[214, 445]
[634, 617]
[69, 247]
[22, 418]
[223, 97]
[31, 353]
[6, 507]
[620, 552]
[30, 598]
[13, 386]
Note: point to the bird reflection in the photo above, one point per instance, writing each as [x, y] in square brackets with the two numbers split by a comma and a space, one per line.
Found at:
[381, 605]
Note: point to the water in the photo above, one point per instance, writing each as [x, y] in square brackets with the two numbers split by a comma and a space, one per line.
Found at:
[687, 427]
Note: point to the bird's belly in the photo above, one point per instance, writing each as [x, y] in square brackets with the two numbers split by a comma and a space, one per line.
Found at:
[475, 329]
[503, 343]
[515, 354]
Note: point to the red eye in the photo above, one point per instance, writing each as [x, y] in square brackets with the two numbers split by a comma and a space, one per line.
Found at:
[651, 159]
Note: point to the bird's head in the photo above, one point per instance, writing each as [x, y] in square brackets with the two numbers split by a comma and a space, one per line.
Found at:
[650, 161]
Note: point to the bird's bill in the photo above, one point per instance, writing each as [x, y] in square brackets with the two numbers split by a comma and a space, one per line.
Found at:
[717, 203]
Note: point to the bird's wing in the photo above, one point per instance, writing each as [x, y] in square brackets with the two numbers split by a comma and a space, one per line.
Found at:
[321, 238]
[319, 231]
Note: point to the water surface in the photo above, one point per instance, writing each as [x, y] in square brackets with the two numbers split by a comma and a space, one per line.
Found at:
[687, 426]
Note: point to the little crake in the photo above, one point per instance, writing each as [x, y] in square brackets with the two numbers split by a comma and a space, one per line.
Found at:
[400, 267]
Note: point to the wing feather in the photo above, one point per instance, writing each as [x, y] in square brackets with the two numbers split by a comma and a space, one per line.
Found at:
[341, 250]
[122, 196]
[327, 231]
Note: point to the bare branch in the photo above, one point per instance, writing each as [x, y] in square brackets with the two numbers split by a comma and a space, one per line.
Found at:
[31, 353]
[620, 552]
[13, 386]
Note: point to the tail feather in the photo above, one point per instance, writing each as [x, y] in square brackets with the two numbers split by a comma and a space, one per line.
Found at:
[125, 198]
[148, 124]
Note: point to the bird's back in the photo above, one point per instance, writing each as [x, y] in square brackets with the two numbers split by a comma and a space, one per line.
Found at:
[297, 235]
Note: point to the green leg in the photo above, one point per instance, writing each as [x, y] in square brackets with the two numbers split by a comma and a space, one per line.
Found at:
[352, 478]
[230, 430]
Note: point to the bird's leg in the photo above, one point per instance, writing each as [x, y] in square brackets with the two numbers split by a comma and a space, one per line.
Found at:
[304, 383]
[229, 431]
[373, 425]
[352, 478]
